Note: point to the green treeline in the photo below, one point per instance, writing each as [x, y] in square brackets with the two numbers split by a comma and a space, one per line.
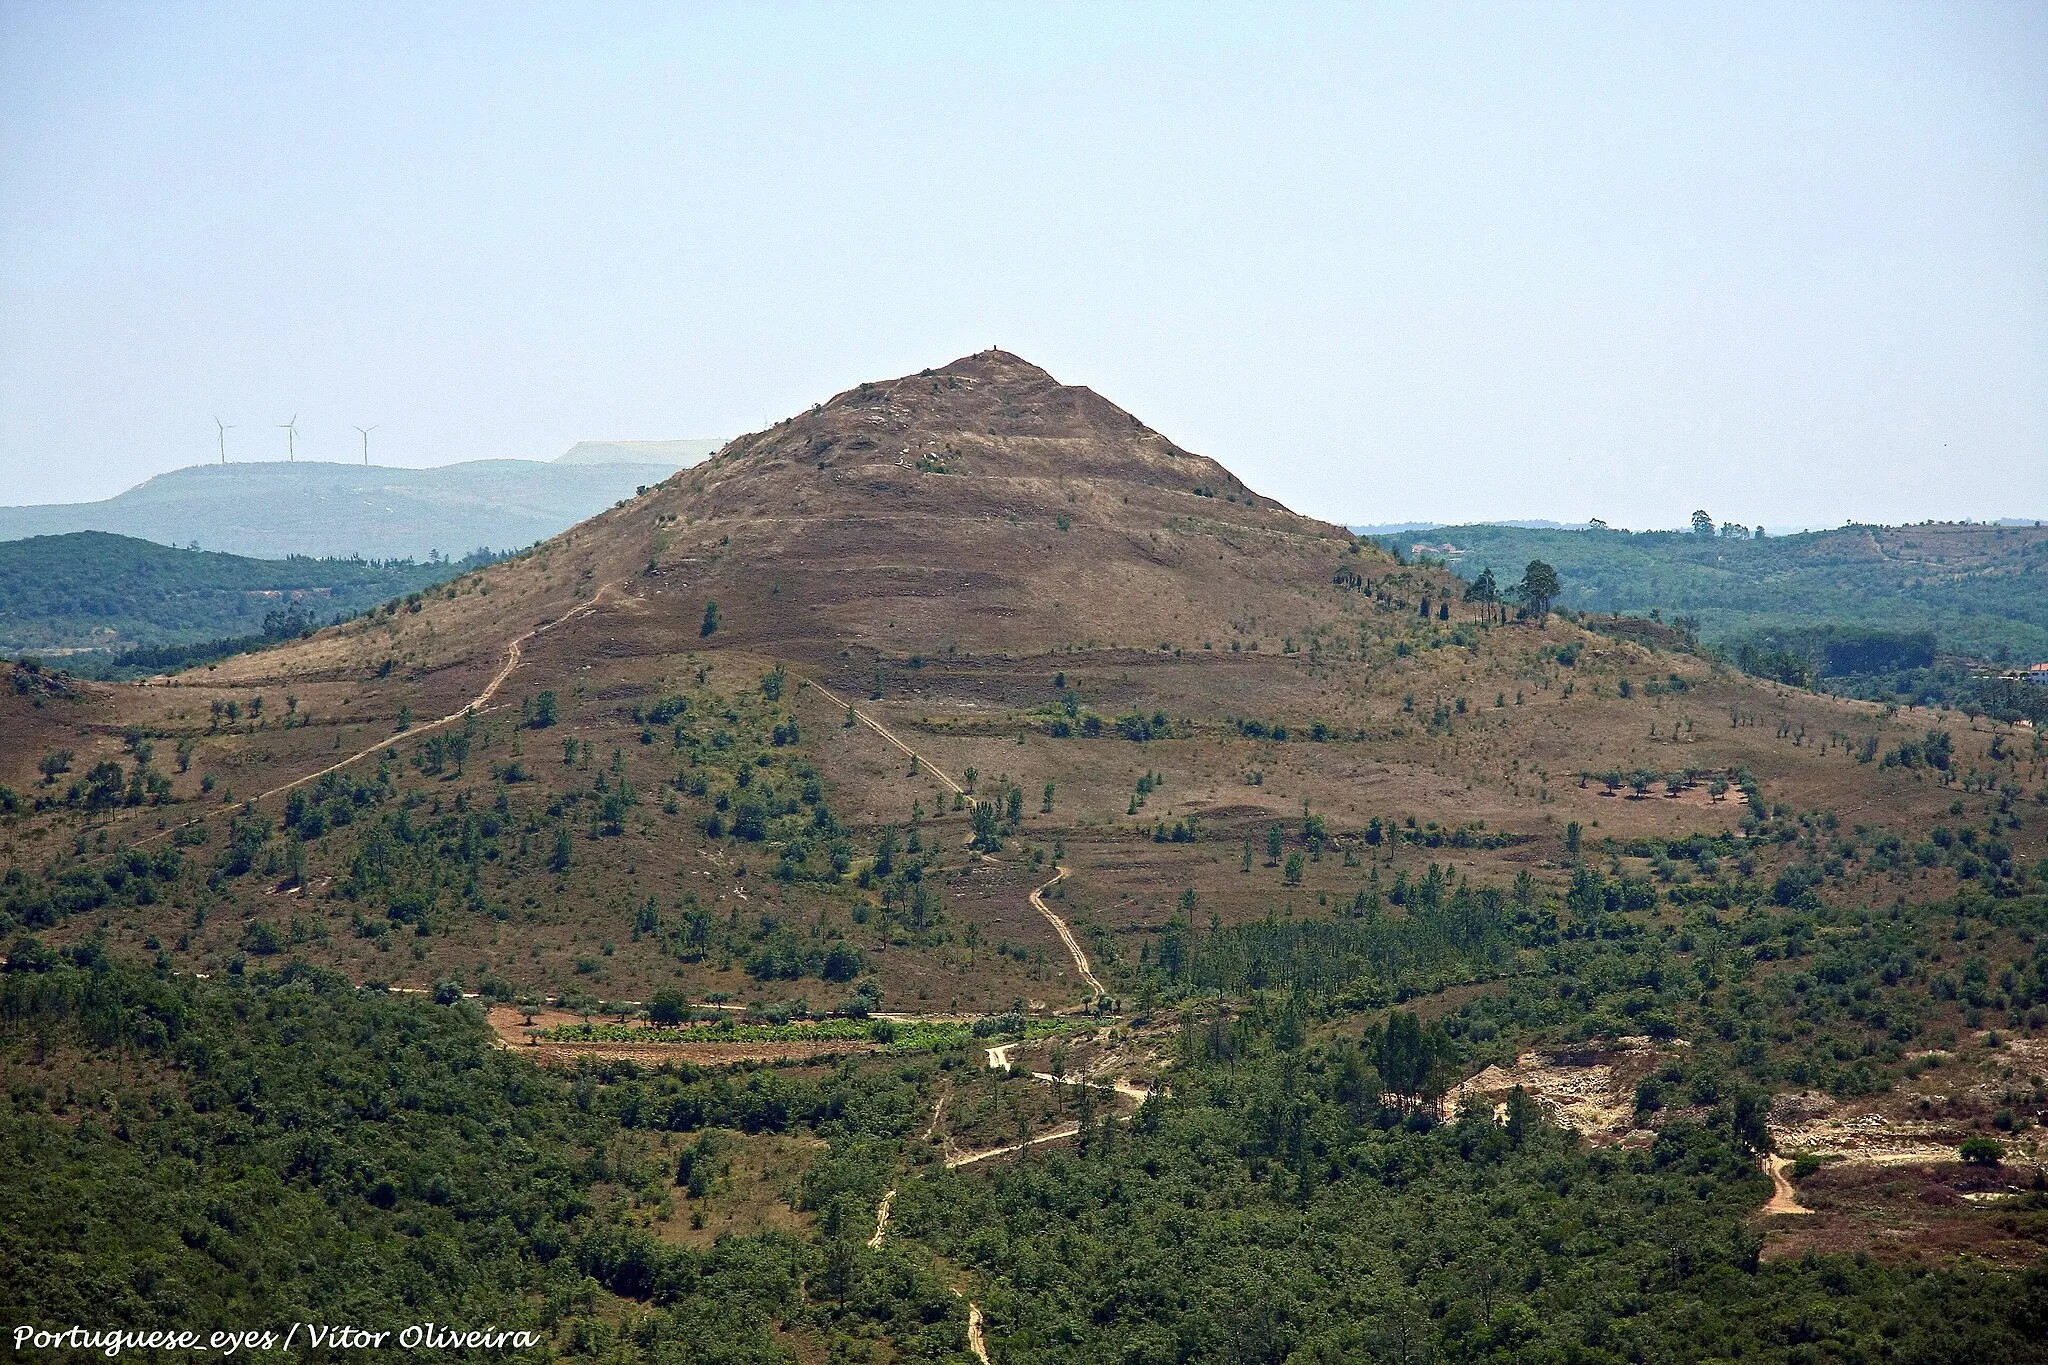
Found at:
[1444, 934]
[288, 1147]
[278, 1145]
[94, 590]
[1979, 589]
[1278, 1207]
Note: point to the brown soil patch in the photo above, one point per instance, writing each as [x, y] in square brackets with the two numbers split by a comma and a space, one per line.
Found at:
[1592, 1091]
[1930, 1211]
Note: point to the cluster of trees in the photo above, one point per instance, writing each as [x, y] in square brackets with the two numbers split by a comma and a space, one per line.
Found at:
[1136, 725]
[1435, 834]
[1703, 526]
[1834, 655]
[902, 874]
[106, 785]
[1937, 750]
[1445, 933]
[131, 877]
[785, 955]
[767, 947]
[1537, 591]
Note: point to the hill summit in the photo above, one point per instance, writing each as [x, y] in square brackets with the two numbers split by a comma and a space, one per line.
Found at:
[992, 414]
[981, 505]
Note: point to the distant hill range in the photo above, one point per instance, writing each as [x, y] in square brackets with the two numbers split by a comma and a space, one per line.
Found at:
[673, 455]
[272, 510]
[1980, 588]
[108, 594]
[1397, 528]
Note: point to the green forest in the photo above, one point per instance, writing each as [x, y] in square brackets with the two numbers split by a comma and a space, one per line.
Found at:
[1979, 590]
[278, 1143]
[141, 606]
[285, 1146]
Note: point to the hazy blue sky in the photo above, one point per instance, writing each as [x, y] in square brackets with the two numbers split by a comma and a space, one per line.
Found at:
[1786, 262]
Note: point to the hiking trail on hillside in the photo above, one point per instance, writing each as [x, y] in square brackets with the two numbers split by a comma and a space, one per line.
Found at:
[514, 652]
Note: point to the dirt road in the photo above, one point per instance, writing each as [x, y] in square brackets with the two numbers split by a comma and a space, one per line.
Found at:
[1067, 935]
[1037, 897]
[1065, 1130]
[1784, 1199]
[1119, 1087]
[864, 718]
[514, 651]
[975, 1341]
[999, 1060]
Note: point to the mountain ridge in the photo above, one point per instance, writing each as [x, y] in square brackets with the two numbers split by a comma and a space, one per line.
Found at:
[1981, 587]
[275, 509]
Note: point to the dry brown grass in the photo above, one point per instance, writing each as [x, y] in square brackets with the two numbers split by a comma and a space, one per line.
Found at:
[870, 563]
[1928, 1213]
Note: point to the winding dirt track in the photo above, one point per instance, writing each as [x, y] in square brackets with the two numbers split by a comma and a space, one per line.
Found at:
[1066, 934]
[515, 649]
[1065, 1130]
[975, 1341]
[1037, 896]
[864, 718]
[1783, 1198]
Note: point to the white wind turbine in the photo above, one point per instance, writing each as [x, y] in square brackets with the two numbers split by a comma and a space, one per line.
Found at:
[224, 430]
[291, 431]
[366, 440]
